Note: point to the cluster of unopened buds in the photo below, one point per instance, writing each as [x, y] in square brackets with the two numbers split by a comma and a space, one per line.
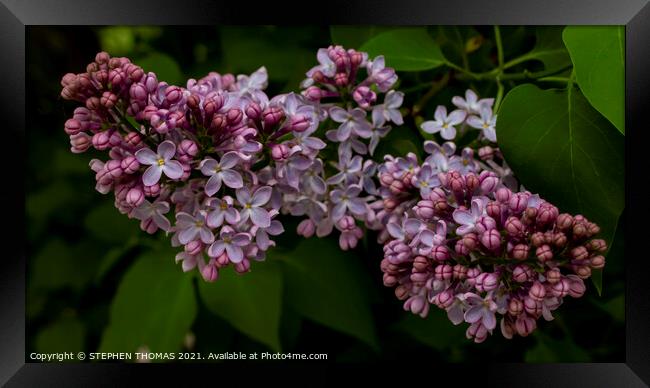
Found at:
[460, 236]
[225, 159]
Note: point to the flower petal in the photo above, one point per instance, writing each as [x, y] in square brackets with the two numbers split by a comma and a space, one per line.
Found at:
[213, 185]
[229, 160]
[188, 234]
[232, 179]
[146, 156]
[173, 169]
[474, 314]
[261, 196]
[463, 217]
[216, 249]
[152, 175]
[235, 253]
[260, 217]
[167, 149]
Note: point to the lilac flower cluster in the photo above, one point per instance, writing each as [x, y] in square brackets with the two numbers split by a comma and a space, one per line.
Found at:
[352, 94]
[216, 151]
[458, 238]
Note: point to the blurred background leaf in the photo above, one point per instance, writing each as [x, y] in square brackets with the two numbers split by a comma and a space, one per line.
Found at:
[406, 49]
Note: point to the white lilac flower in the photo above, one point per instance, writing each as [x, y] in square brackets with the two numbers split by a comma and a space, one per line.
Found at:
[443, 123]
[389, 110]
[471, 103]
[159, 162]
[426, 180]
[221, 171]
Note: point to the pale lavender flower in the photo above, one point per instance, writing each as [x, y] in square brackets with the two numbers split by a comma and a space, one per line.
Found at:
[190, 227]
[154, 211]
[389, 110]
[409, 228]
[480, 310]
[159, 162]
[347, 199]
[231, 243]
[443, 123]
[312, 177]
[325, 66]
[221, 172]
[426, 180]
[222, 210]
[471, 103]
[486, 123]
[352, 123]
[464, 163]
[466, 219]
[252, 205]
[378, 73]
[348, 169]
[262, 234]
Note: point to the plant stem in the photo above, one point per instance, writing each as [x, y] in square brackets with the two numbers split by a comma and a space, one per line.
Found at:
[497, 38]
[554, 79]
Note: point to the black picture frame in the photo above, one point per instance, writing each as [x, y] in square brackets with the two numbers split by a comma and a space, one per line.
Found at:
[15, 15]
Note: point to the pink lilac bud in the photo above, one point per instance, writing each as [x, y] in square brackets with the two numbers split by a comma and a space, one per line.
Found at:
[101, 140]
[503, 195]
[148, 226]
[460, 272]
[113, 168]
[515, 307]
[254, 111]
[280, 152]
[341, 80]
[130, 165]
[401, 292]
[553, 275]
[234, 116]
[477, 332]
[299, 123]
[579, 253]
[472, 273]
[80, 142]
[517, 202]
[537, 239]
[521, 273]
[489, 181]
[491, 240]
[486, 282]
[525, 325]
[561, 288]
[306, 228]
[313, 93]
[421, 264]
[520, 252]
[472, 182]
[597, 262]
[486, 153]
[243, 266]
[484, 224]
[424, 209]
[187, 150]
[72, 127]
[210, 273]
[444, 272]
[559, 239]
[133, 139]
[272, 116]
[583, 271]
[417, 305]
[461, 249]
[544, 253]
[173, 94]
[537, 291]
[514, 227]
[547, 214]
[135, 197]
[440, 253]
[494, 210]
[193, 247]
[597, 245]
[364, 96]
[152, 191]
[564, 221]
[470, 241]
[532, 306]
[444, 299]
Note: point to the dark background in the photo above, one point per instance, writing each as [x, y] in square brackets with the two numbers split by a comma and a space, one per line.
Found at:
[80, 247]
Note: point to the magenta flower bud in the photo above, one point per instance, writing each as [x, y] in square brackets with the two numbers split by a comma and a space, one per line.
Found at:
[121, 191]
[306, 228]
[470, 241]
[346, 223]
[486, 281]
[515, 307]
[364, 96]
[113, 168]
[486, 153]
[532, 306]
[494, 210]
[135, 197]
[193, 247]
[130, 165]
[472, 182]
[547, 214]
[356, 58]
[138, 92]
[313, 93]
[503, 195]
[455, 182]
[579, 253]
[461, 249]
[133, 139]
[525, 325]
[559, 239]
[243, 266]
[72, 127]
[299, 123]
[210, 273]
[234, 116]
[134, 72]
[173, 94]
[187, 149]
[401, 292]
[151, 191]
[544, 253]
[561, 288]
[148, 226]
[444, 299]
[491, 240]
[440, 253]
[564, 221]
[417, 305]
[521, 273]
[517, 202]
[460, 272]
[101, 140]
[597, 245]
[576, 286]
[514, 227]
[444, 272]
[537, 239]
[272, 116]
[341, 79]
[583, 271]
[80, 142]
[520, 252]
[485, 223]
[424, 209]
[537, 291]
[116, 77]
[253, 111]
[389, 280]
[553, 275]
[417, 277]
[489, 181]
[102, 58]
[477, 332]
[472, 273]
[280, 152]
[421, 264]
[150, 82]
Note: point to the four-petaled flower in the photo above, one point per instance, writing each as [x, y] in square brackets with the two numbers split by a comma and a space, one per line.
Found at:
[159, 162]
[486, 123]
[222, 210]
[466, 219]
[426, 180]
[471, 103]
[230, 242]
[352, 123]
[190, 227]
[443, 123]
[347, 199]
[389, 110]
[221, 172]
[480, 309]
[252, 205]
[153, 211]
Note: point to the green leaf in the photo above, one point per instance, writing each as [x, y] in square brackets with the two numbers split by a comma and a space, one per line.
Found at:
[163, 65]
[154, 307]
[598, 55]
[252, 303]
[107, 224]
[329, 286]
[549, 349]
[435, 330]
[64, 335]
[354, 37]
[117, 40]
[563, 149]
[406, 49]
[549, 48]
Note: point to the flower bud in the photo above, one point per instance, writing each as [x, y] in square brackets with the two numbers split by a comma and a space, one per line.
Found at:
[521, 273]
[460, 272]
[306, 228]
[341, 79]
[494, 210]
[485, 223]
[135, 197]
[489, 181]
[364, 97]
[471, 182]
[101, 140]
[243, 266]
[579, 253]
[80, 142]
[130, 165]
[520, 252]
[532, 306]
[210, 273]
[537, 239]
[583, 271]
[525, 325]
[553, 275]
[272, 116]
[472, 273]
[72, 127]
[491, 240]
[561, 288]
[544, 253]
[564, 222]
[515, 307]
[401, 292]
[113, 168]
[486, 153]
[576, 286]
[313, 93]
[440, 253]
[486, 281]
[503, 195]
[517, 202]
[537, 291]
[151, 191]
[597, 245]
[597, 262]
[514, 227]
[444, 299]
[424, 209]
[477, 332]
[470, 241]
[444, 272]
